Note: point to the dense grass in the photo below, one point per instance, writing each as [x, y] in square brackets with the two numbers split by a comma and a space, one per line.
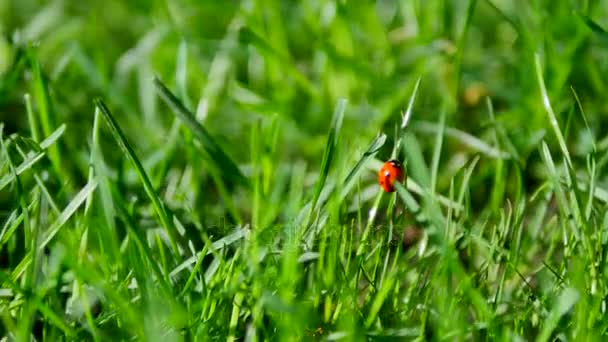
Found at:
[206, 170]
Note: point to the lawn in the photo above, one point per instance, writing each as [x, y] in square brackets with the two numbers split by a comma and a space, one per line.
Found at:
[208, 170]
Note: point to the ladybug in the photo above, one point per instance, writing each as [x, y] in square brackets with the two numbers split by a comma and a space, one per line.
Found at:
[390, 172]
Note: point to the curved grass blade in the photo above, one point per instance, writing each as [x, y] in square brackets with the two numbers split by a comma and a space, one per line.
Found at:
[40, 91]
[61, 220]
[33, 157]
[437, 153]
[238, 234]
[31, 118]
[328, 154]
[594, 27]
[222, 160]
[407, 115]
[69, 210]
[121, 139]
[550, 112]
[405, 120]
[564, 303]
[369, 153]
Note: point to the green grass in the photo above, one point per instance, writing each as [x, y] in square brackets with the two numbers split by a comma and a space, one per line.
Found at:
[202, 170]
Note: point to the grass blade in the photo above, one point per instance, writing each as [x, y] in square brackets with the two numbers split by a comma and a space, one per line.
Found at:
[69, 210]
[238, 234]
[222, 160]
[328, 154]
[128, 151]
[565, 302]
[31, 118]
[369, 153]
[595, 27]
[437, 153]
[410, 105]
[549, 109]
[32, 157]
[41, 95]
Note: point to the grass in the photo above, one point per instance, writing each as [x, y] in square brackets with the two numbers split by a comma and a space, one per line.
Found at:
[197, 170]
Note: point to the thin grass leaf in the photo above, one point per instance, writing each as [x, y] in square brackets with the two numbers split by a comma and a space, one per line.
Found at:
[11, 224]
[410, 105]
[501, 135]
[549, 110]
[195, 270]
[566, 300]
[95, 152]
[222, 160]
[555, 180]
[405, 120]
[67, 213]
[437, 153]
[40, 92]
[128, 151]
[583, 115]
[218, 245]
[234, 317]
[598, 30]
[465, 181]
[330, 148]
[369, 153]
[379, 300]
[31, 118]
[33, 157]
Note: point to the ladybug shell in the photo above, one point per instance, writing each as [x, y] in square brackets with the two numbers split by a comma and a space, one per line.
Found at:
[390, 172]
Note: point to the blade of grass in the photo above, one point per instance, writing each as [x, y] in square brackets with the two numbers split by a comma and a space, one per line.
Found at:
[128, 151]
[222, 160]
[566, 300]
[583, 115]
[437, 153]
[95, 150]
[31, 118]
[554, 176]
[330, 149]
[238, 234]
[369, 153]
[549, 110]
[67, 212]
[40, 91]
[33, 157]
[379, 300]
[410, 106]
[501, 135]
[599, 31]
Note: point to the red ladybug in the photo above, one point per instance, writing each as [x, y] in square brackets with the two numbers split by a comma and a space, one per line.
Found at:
[390, 172]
